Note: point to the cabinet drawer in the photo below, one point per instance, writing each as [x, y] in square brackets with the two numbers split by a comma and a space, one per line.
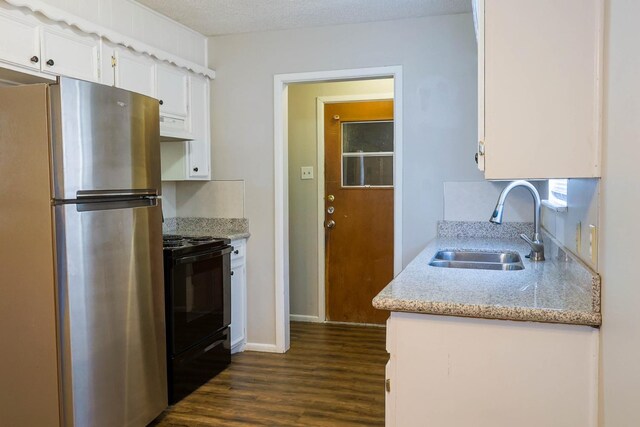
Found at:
[238, 253]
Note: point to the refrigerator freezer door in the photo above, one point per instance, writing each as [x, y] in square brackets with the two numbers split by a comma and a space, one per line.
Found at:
[111, 313]
[103, 138]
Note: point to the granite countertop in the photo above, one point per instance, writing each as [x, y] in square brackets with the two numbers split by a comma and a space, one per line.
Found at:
[229, 228]
[561, 289]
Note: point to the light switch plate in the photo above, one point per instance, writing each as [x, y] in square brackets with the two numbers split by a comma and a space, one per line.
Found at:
[306, 172]
[593, 242]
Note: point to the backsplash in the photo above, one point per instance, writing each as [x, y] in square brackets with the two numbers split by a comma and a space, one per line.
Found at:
[506, 230]
[203, 199]
[475, 201]
[582, 208]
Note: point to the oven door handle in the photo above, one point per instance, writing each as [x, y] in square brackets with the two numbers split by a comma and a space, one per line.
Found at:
[204, 256]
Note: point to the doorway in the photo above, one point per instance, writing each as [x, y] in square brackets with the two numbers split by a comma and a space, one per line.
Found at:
[285, 176]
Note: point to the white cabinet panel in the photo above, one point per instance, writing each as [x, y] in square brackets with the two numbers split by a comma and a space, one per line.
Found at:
[490, 373]
[540, 80]
[20, 42]
[67, 53]
[135, 72]
[238, 297]
[200, 147]
[172, 90]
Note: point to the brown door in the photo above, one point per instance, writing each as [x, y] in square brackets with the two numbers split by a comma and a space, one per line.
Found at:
[358, 208]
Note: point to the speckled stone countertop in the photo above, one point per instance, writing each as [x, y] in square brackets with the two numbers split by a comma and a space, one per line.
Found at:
[561, 289]
[230, 228]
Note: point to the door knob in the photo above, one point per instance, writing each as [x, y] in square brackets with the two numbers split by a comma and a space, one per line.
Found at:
[50, 63]
[331, 197]
[34, 59]
[331, 223]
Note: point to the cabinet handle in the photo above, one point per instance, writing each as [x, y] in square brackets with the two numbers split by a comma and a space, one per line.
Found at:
[50, 63]
[34, 59]
[195, 169]
[236, 251]
[161, 102]
[232, 272]
[476, 158]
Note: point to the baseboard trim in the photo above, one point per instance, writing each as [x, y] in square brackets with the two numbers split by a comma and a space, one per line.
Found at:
[238, 347]
[264, 348]
[304, 318]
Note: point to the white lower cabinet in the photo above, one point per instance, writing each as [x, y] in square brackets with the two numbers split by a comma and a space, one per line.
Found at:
[452, 372]
[238, 296]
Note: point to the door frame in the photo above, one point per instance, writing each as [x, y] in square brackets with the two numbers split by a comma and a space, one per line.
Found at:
[281, 179]
[321, 101]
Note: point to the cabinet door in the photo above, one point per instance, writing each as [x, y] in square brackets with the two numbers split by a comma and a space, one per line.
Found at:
[21, 44]
[542, 88]
[238, 326]
[172, 90]
[135, 72]
[67, 53]
[200, 147]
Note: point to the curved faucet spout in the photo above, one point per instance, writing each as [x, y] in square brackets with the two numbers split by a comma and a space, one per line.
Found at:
[537, 247]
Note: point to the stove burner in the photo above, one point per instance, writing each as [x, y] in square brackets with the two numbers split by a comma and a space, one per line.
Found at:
[198, 239]
[172, 237]
[173, 243]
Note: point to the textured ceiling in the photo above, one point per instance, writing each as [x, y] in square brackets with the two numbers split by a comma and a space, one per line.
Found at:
[216, 17]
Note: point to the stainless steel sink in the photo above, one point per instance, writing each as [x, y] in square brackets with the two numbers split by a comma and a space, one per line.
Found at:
[478, 260]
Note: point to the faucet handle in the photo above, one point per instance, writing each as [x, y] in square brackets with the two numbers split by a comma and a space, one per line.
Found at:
[537, 248]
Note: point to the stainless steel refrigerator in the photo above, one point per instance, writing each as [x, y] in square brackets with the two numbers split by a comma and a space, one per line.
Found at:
[100, 282]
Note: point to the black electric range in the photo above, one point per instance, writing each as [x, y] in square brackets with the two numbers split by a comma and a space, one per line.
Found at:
[197, 272]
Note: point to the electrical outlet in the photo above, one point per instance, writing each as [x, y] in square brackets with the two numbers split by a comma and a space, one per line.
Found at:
[593, 243]
[579, 238]
[306, 172]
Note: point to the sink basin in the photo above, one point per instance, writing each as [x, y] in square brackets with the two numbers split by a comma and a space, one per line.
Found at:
[478, 260]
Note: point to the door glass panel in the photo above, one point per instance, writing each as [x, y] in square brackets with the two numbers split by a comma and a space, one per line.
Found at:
[359, 171]
[367, 154]
[367, 137]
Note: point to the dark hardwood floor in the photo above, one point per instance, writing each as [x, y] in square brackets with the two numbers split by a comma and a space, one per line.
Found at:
[333, 375]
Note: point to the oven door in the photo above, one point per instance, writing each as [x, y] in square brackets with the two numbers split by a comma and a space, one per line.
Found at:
[199, 297]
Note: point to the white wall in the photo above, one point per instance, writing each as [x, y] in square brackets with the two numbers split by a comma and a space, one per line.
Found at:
[619, 254]
[134, 20]
[303, 194]
[439, 59]
[582, 208]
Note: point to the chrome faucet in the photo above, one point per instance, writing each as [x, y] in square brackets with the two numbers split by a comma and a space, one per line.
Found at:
[537, 246]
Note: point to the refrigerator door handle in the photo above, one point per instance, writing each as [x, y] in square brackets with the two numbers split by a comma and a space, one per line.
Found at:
[101, 194]
[117, 204]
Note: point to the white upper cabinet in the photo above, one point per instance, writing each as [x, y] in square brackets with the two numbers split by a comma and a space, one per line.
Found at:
[65, 52]
[135, 72]
[20, 37]
[172, 90]
[540, 77]
[200, 146]
[173, 95]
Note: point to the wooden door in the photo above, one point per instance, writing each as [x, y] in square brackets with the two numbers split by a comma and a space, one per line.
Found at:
[358, 208]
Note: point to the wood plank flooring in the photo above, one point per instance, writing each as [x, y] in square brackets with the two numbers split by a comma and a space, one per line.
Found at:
[333, 375]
